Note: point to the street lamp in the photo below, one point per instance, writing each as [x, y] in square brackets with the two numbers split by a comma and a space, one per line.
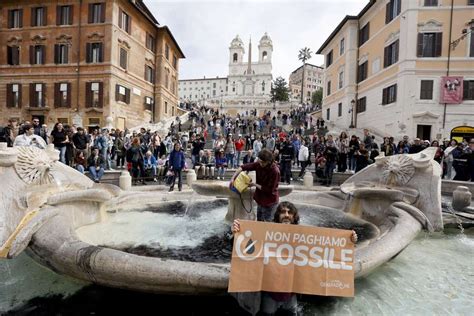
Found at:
[465, 32]
[351, 112]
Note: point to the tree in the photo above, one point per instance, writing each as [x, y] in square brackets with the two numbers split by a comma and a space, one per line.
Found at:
[279, 91]
[317, 97]
[304, 54]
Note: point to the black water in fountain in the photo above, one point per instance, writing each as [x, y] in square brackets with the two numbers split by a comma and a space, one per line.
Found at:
[218, 248]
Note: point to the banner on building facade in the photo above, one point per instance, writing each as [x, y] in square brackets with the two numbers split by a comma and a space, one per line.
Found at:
[451, 90]
[292, 259]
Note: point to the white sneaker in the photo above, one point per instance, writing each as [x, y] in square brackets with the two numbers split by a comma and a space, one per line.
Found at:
[218, 178]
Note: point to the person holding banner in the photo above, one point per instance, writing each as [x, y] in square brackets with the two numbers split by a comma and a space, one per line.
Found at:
[268, 177]
[286, 213]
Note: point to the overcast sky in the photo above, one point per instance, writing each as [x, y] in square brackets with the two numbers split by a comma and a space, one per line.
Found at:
[204, 29]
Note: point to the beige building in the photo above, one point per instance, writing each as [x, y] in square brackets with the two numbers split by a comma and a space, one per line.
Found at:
[313, 78]
[383, 68]
[89, 63]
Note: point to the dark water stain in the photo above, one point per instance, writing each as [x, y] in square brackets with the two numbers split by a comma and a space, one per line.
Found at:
[99, 300]
[215, 249]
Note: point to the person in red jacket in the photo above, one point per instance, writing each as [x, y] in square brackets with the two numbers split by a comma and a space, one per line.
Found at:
[268, 178]
[239, 146]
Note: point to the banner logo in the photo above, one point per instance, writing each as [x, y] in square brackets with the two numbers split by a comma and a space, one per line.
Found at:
[247, 252]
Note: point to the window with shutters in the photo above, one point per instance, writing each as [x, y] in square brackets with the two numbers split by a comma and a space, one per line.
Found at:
[122, 94]
[38, 54]
[167, 78]
[392, 10]
[429, 44]
[61, 52]
[431, 3]
[468, 89]
[37, 95]
[149, 74]
[64, 15]
[125, 21]
[167, 51]
[341, 80]
[470, 2]
[339, 109]
[173, 85]
[364, 34]
[96, 12]
[95, 53]
[361, 105]
[15, 19]
[329, 59]
[341, 47]
[426, 91]
[38, 16]
[94, 94]
[123, 58]
[148, 103]
[13, 55]
[150, 42]
[328, 114]
[62, 94]
[14, 95]
[389, 94]
[175, 62]
[391, 54]
[329, 88]
[362, 71]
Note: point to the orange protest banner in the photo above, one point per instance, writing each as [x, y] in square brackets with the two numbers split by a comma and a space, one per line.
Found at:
[292, 259]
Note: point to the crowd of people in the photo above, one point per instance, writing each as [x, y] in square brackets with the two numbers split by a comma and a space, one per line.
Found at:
[214, 142]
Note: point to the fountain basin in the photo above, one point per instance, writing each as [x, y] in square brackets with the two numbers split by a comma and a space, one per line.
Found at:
[62, 246]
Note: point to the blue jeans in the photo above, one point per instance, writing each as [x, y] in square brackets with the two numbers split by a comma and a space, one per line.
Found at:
[62, 153]
[80, 168]
[266, 213]
[96, 174]
[328, 171]
[220, 171]
[237, 160]
[230, 160]
[353, 163]
[104, 153]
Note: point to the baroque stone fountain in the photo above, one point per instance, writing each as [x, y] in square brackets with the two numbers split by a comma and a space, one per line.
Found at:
[46, 208]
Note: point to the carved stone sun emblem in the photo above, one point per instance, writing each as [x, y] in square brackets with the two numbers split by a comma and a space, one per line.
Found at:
[398, 170]
[34, 165]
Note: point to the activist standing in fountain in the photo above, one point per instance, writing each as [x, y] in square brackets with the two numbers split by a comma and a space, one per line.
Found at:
[268, 177]
[286, 213]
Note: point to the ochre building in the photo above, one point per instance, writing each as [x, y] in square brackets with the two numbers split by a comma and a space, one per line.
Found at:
[88, 63]
[384, 69]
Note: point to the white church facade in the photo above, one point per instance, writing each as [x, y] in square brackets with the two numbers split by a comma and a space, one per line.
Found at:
[247, 85]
